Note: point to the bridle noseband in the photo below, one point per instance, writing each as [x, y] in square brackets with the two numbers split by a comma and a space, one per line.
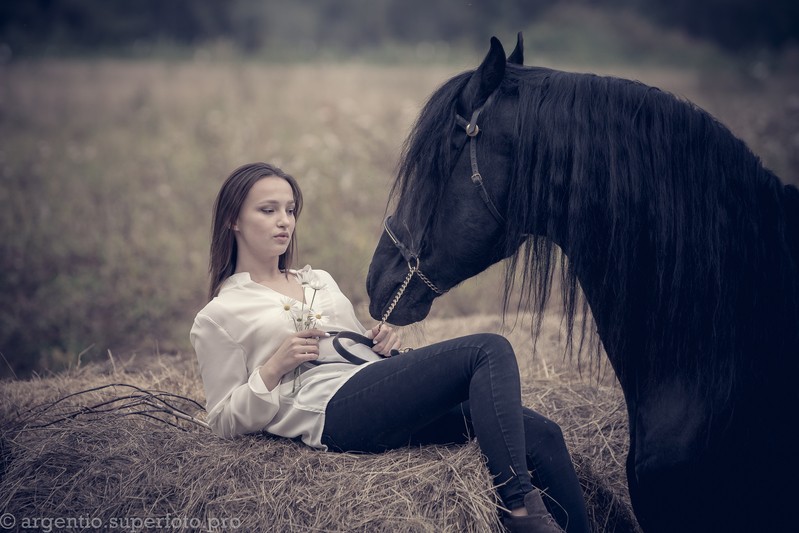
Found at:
[412, 257]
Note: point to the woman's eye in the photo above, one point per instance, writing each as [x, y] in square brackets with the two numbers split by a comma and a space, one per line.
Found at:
[267, 210]
[290, 211]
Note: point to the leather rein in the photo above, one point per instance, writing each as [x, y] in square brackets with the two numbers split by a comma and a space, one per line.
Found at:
[411, 256]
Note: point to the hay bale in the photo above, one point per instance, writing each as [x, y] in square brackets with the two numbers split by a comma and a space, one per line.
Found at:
[107, 466]
[107, 471]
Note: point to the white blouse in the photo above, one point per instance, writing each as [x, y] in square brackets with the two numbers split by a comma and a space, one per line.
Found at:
[237, 331]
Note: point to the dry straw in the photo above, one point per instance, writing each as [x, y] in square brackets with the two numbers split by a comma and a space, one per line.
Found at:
[111, 442]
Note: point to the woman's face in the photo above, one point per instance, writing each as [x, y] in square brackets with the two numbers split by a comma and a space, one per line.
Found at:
[266, 221]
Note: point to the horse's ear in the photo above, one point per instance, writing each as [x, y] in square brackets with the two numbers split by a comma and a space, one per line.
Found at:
[517, 56]
[485, 79]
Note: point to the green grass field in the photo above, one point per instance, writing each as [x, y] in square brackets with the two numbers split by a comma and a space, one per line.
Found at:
[108, 170]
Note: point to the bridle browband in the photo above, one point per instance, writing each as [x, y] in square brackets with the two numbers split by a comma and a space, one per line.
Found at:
[412, 257]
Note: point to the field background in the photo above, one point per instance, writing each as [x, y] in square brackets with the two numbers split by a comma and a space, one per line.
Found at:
[110, 161]
[109, 167]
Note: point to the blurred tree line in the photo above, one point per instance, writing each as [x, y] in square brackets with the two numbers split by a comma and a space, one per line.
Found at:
[75, 26]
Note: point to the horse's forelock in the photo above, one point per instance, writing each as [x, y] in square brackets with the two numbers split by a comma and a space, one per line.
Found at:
[425, 160]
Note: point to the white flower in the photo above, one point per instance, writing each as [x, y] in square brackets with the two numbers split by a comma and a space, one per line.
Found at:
[289, 305]
[309, 278]
[304, 318]
[317, 284]
[316, 319]
[305, 274]
[293, 312]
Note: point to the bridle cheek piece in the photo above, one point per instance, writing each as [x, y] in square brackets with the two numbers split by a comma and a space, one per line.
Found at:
[472, 130]
[411, 257]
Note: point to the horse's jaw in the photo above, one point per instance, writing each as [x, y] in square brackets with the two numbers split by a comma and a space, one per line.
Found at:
[406, 315]
[413, 305]
[386, 277]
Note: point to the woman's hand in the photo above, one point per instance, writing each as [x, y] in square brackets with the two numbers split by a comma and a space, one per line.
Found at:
[295, 350]
[385, 339]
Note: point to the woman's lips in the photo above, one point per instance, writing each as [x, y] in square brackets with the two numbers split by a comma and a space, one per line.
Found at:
[282, 237]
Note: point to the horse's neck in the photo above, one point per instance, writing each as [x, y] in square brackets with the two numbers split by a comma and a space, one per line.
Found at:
[620, 324]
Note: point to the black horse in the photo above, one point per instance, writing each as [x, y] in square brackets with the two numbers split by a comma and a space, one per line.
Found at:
[685, 247]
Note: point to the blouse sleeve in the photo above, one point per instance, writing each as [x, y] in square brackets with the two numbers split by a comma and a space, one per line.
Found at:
[237, 403]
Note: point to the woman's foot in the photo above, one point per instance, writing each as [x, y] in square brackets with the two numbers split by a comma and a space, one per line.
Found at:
[538, 519]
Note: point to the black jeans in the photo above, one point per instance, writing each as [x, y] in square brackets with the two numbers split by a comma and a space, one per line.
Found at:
[445, 393]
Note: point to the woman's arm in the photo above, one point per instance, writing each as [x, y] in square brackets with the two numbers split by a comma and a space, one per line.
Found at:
[236, 402]
[295, 350]
[385, 339]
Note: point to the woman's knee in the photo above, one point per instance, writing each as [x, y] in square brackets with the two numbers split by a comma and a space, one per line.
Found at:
[542, 433]
[496, 346]
[496, 353]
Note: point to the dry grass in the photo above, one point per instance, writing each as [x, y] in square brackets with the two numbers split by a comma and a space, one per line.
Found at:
[113, 465]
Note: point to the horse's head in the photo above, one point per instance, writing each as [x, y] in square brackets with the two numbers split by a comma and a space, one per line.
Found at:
[448, 224]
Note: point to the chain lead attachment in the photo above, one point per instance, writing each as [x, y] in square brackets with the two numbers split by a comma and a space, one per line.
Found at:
[413, 268]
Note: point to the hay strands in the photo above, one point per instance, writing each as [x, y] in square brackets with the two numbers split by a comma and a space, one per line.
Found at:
[154, 404]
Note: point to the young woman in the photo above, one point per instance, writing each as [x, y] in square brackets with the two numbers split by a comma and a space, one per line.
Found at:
[266, 325]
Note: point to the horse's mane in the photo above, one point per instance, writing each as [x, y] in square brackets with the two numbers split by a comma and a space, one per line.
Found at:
[664, 181]
[426, 159]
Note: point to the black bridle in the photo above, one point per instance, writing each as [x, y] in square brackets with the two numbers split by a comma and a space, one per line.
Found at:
[472, 130]
[412, 256]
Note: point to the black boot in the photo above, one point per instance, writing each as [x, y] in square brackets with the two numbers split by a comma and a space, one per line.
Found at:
[538, 519]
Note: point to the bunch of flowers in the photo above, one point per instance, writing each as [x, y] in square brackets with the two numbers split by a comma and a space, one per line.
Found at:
[303, 317]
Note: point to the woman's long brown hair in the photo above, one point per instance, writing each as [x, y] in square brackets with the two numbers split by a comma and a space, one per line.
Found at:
[228, 204]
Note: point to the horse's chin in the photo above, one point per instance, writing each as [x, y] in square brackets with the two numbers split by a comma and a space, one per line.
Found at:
[408, 310]
[410, 315]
